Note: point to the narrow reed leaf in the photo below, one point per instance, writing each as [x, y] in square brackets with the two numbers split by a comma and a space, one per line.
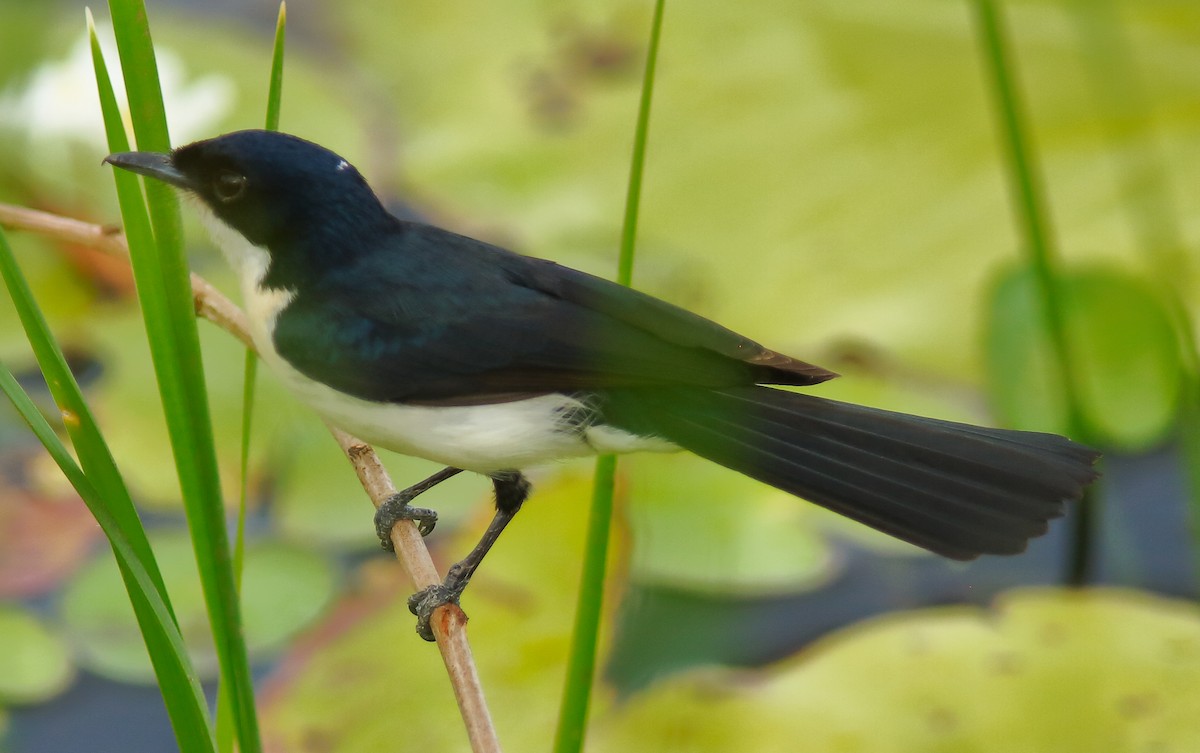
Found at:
[180, 687]
[633, 196]
[181, 691]
[160, 266]
[1030, 205]
[93, 452]
[581, 667]
[275, 91]
[225, 729]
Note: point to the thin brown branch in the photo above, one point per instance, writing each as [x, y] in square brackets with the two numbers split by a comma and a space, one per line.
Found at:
[449, 622]
[103, 238]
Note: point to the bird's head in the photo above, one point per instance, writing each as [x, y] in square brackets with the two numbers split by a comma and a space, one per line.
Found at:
[278, 191]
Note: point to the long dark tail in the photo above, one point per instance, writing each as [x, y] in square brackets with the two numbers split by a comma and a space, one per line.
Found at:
[955, 489]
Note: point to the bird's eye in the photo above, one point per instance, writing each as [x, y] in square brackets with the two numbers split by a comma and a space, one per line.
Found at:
[229, 186]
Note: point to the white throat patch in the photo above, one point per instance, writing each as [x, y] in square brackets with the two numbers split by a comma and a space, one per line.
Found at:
[251, 263]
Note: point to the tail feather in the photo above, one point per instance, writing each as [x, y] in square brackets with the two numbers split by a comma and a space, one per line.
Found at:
[955, 489]
[887, 481]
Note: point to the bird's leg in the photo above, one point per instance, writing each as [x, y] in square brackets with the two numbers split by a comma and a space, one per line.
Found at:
[396, 508]
[512, 489]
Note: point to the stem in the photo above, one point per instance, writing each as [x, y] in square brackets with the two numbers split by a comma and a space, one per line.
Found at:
[581, 668]
[1028, 196]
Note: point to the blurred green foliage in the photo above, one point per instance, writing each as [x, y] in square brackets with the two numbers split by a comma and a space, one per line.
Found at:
[823, 176]
[284, 588]
[1125, 348]
[36, 663]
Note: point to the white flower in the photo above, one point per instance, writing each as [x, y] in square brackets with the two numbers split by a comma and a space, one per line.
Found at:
[59, 103]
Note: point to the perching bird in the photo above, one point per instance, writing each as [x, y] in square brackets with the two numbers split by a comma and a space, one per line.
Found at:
[443, 347]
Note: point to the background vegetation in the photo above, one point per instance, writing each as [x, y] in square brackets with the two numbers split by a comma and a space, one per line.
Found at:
[827, 177]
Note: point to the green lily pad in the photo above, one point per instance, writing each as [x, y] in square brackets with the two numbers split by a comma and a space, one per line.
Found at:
[701, 527]
[35, 663]
[1124, 353]
[1047, 669]
[284, 588]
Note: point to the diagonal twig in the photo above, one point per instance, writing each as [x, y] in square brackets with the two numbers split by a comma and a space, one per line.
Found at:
[449, 622]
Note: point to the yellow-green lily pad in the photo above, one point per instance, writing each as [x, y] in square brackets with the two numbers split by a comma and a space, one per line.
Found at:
[35, 662]
[1044, 670]
[1123, 349]
[284, 588]
[705, 528]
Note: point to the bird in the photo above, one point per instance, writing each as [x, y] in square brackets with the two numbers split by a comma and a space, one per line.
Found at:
[436, 345]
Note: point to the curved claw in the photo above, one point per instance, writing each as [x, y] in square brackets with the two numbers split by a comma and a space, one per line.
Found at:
[396, 508]
[424, 602]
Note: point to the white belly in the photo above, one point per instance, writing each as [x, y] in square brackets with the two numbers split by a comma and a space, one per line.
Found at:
[481, 438]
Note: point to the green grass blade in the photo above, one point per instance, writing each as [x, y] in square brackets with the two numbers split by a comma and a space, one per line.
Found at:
[1025, 175]
[581, 667]
[93, 451]
[225, 728]
[250, 367]
[275, 92]
[164, 289]
[1028, 198]
[633, 196]
[180, 687]
[250, 370]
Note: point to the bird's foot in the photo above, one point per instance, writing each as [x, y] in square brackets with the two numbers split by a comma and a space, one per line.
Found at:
[424, 602]
[397, 508]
